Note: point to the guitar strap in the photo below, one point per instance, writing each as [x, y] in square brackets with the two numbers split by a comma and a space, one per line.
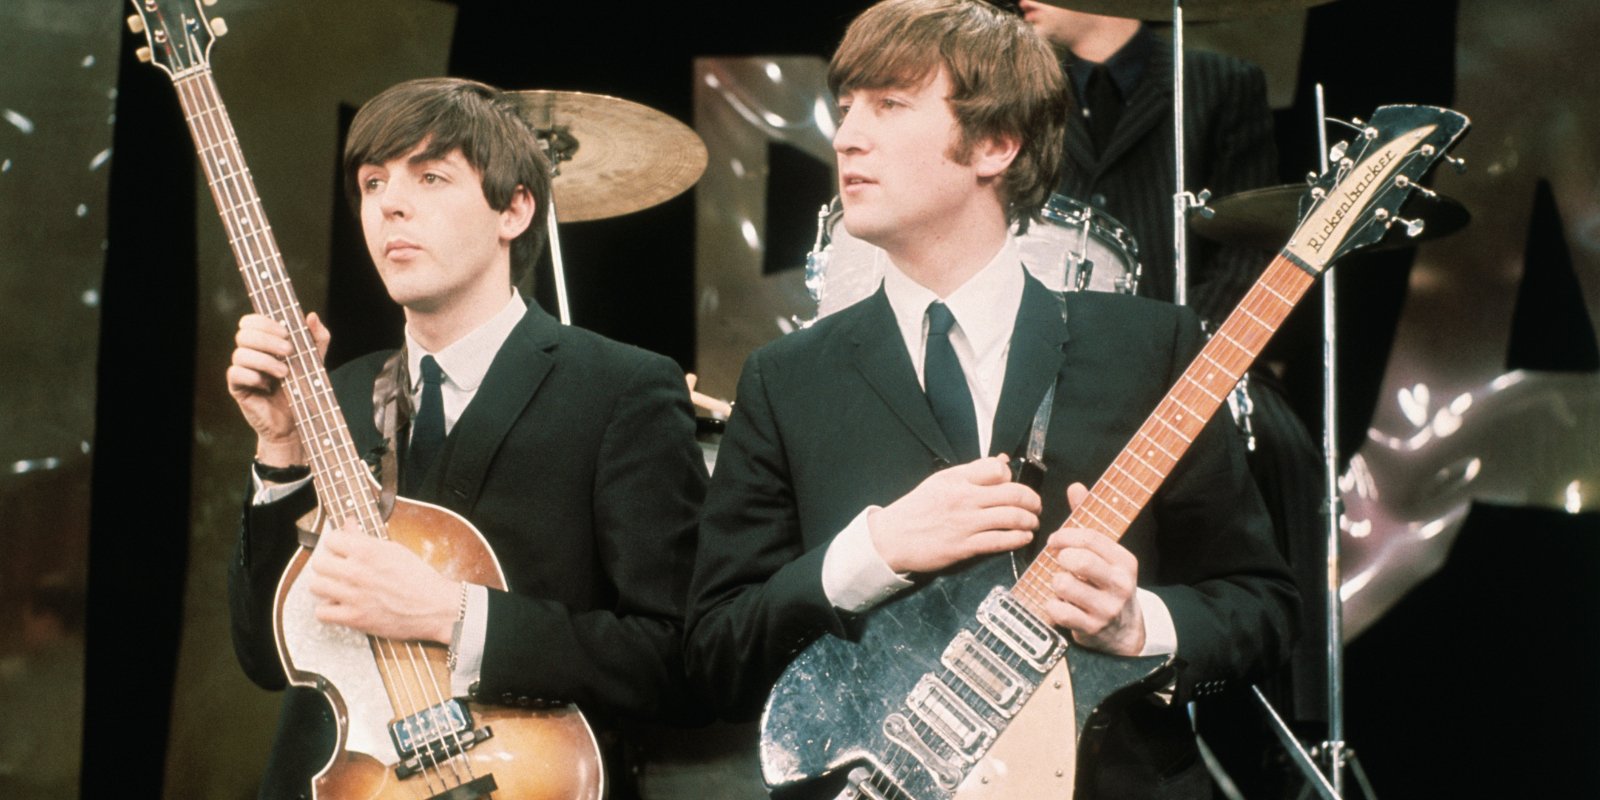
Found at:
[391, 413]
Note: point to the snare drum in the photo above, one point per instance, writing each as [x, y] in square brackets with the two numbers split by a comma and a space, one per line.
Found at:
[1072, 247]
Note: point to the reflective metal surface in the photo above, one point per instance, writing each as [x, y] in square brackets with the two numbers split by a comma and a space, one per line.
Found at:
[1453, 424]
[741, 106]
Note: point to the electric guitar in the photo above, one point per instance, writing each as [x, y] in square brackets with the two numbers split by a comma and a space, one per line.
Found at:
[961, 689]
[400, 732]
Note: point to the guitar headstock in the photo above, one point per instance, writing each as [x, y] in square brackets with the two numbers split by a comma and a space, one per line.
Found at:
[1356, 201]
[178, 33]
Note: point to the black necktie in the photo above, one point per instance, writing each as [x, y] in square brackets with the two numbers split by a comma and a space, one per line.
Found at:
[947, 391]
[1102, 106]
[427, 430]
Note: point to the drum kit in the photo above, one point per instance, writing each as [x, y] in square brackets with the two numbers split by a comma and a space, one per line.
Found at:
[611, 157]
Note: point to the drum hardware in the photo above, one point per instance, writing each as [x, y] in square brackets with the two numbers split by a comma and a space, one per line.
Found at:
[608, 157]
[816, 275]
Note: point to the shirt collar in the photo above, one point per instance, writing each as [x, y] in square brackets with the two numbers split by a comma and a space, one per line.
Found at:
[1126, 66]
[466, 360]
[984, 307]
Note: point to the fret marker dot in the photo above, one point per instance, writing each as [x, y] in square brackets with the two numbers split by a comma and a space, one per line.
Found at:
[264, 275]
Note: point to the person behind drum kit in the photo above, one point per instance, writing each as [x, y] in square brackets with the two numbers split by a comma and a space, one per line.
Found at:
[1119, 159]
[852, 466]
[574, 455]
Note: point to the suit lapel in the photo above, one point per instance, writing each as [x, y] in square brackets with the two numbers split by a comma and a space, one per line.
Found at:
[1031, 367]
[880, 355]
[514, 376]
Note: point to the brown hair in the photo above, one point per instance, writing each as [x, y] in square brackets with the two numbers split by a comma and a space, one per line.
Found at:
[482, 122]
[1004, 79]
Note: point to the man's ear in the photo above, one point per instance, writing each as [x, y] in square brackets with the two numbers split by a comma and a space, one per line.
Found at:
[518, 214]
[993, 155]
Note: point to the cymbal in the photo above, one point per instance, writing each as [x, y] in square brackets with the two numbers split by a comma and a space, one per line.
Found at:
[611, 156]
[1266, 218]
[1193, 10]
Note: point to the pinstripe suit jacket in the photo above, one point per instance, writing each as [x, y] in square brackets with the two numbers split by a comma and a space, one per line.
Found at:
[1228, 148]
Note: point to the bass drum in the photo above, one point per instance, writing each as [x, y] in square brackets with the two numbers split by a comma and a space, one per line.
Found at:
[1072, 247]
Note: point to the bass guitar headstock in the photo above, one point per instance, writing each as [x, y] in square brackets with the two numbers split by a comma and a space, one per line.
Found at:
[1356, 201]
[177, 33]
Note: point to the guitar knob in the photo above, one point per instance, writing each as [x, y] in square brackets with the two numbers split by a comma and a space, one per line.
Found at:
[136, 23]
[219, 26]
[143, 54]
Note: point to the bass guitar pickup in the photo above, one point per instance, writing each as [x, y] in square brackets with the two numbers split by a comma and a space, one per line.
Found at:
[1020, 631]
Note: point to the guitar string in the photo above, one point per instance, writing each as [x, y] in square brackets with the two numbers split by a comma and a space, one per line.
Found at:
[232, 195]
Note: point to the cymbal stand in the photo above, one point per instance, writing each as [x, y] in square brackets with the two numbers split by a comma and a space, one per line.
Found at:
[1334, 752]
[555, 153]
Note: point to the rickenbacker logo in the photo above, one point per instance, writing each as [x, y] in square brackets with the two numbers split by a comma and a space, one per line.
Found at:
[1325, 228]
[1352, 198]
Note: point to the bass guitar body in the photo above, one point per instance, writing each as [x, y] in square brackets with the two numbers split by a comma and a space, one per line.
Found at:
[401, 733]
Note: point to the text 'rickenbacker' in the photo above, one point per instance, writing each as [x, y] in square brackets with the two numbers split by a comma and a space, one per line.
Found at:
[400, 733]
[961, 689]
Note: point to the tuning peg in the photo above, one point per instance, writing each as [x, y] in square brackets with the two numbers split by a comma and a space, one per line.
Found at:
[1459, 164]
[1413, 226]
[136, 23]
[219, 26]
[143, 54]
[1337, 151]
[1406, 183]
[1311, 178]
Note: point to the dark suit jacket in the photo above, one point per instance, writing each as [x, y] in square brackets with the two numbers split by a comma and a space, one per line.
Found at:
[831, 420]
[1228, 148]
[577, 461]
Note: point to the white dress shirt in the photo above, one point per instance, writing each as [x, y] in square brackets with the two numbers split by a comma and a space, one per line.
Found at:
[854, 575]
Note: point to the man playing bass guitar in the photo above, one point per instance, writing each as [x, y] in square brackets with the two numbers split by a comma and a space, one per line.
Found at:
[866, 453]
[572, 454]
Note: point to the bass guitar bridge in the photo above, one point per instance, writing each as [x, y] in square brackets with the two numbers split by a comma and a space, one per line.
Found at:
[434, 734]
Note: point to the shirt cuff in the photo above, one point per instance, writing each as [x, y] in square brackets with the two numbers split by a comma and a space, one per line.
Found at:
[854, 576]
[469, 647]
[1160, 635]
[262, 493]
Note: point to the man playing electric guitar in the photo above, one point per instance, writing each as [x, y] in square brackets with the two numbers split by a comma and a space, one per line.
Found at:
[866, 453]
[572, 454]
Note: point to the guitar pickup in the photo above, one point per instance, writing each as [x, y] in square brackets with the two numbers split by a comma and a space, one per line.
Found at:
[990, 677]
[1018, 629]
[948, 716]
[433, 735]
